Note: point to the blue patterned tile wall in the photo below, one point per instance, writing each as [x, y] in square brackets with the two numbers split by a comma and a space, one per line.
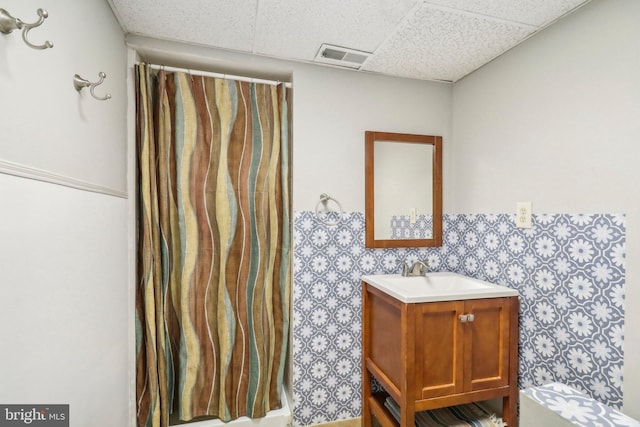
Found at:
[576, 407]
[403, 228]
[568, 269]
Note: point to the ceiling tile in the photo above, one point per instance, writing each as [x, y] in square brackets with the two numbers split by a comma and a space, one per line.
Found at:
[441, 44]
[421, 39]
[532, 12]
[297, 29]
[224, 24]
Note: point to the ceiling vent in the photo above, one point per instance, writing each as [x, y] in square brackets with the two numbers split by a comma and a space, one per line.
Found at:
[341, 56]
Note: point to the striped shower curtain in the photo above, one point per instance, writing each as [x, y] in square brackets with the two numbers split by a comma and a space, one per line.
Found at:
[212, 301]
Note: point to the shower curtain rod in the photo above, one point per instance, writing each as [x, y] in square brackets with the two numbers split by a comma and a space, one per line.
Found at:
[218, 75]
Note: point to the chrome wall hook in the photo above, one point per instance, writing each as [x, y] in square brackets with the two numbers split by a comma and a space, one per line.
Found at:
[79, 83]
[8, 23]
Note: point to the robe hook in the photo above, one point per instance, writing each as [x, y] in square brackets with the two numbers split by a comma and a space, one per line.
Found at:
[8, 23]
[79, 83]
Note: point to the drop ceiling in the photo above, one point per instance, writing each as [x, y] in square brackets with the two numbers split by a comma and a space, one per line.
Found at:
[440, 40]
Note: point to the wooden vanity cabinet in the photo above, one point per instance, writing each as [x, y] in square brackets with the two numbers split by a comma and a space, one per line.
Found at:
[437, 354]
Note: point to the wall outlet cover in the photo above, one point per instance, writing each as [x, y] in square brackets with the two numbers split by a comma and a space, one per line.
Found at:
[523, 215]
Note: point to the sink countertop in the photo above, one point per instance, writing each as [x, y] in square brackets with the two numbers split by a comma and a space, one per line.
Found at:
[437, 286]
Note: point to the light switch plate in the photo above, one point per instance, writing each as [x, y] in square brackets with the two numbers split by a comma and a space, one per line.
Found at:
[523, 215]
[412, 215]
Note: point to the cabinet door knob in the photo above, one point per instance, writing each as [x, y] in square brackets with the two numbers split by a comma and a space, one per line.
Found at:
[466, 318]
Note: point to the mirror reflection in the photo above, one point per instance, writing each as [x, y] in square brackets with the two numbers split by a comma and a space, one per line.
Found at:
[403, 190]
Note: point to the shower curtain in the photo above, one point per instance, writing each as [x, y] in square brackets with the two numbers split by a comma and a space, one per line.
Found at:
[213, 292]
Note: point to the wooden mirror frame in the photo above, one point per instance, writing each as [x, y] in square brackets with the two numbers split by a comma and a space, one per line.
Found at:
[436, 142]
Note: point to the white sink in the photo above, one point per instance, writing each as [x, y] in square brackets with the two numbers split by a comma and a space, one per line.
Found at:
[436, 287]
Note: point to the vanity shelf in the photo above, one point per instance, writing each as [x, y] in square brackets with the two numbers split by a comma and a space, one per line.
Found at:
[429, 355]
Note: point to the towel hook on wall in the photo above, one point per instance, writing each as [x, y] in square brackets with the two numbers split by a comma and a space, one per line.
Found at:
[8, 23]
[79, 83]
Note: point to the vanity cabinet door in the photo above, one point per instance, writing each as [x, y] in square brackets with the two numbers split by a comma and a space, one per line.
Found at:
[462, 346]
[486, 344]
[439, 349]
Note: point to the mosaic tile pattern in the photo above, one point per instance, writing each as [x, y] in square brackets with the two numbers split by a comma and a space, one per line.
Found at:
[327, 326]
[402, 228]
[568, 269]
[569, 272]
[578, 408]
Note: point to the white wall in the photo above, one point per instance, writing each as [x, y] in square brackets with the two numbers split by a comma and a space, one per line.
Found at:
[556, 121]
[64, 302]
[52, 127]
[333, 109]
[63, 309]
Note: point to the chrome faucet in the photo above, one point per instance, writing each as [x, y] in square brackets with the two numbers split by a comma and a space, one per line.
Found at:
[419, 268]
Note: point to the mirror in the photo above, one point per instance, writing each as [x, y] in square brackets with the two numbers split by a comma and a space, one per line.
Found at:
[403, 190]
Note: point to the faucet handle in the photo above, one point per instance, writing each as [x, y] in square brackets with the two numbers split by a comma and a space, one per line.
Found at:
[405, 267]
[419, 268]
